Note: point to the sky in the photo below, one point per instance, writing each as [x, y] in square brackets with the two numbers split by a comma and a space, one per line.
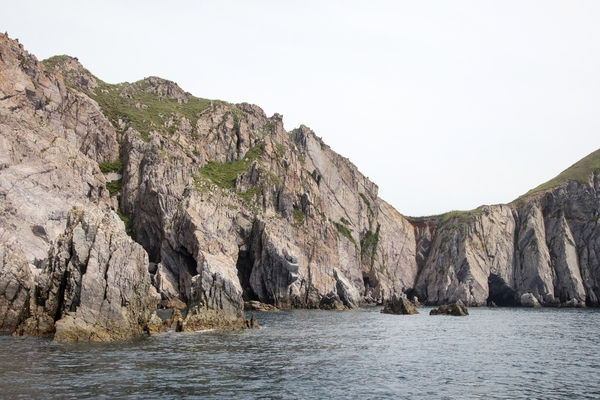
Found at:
[445, 105]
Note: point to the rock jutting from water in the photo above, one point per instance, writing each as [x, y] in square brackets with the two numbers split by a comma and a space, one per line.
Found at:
[456, 309]
[399, 305]
[208, 205]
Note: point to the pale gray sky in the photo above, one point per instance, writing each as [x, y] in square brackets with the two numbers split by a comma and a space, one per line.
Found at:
[444, 104]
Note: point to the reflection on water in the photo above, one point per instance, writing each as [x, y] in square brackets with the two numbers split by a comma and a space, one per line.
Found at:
[493, 353]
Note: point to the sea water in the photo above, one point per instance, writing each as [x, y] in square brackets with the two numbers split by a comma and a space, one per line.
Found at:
[499, 353]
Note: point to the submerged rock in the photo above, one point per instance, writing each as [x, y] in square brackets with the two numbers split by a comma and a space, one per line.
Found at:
[176, 321]
[456, 309]
[252, 323]
[399, 305]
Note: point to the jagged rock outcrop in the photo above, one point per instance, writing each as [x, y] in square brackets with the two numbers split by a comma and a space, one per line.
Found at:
[51, 140]
[16, 283]
[539, 250]
[155, 324]
[399, 305]
[295, 224]
[467, 252]
[457, 309]
[96, 284]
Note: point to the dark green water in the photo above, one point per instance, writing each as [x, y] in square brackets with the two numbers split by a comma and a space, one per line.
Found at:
[503, 353]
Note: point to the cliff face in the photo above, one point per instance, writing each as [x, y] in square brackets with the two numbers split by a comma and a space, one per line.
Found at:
[222, 205]
[51, 141]
[277, 214]
[545, 246]
[227, 205]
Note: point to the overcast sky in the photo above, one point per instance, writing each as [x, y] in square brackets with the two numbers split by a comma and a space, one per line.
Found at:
[443, 104]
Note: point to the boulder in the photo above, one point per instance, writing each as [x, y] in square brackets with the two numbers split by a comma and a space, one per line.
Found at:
[529, 300]
[331, 301]
[399, 305]
[155, 324]
[176, 321]
[456, 309]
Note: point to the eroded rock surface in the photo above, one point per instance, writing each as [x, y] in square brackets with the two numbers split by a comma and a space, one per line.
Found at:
[96, 285]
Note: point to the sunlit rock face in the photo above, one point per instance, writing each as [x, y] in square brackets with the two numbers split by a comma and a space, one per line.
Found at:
[206, 205]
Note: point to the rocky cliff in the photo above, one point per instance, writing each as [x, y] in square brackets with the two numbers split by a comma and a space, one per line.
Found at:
[540, 249]
[220, 205]
[55, 276]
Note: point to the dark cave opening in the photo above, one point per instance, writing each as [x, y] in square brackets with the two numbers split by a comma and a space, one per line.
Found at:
[500, 293]
[188, 269]
[367, 282]
[244, 265]
[189, 261]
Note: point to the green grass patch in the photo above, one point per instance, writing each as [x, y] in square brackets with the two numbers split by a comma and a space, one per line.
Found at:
[462, 217]
[114, 187]
[578, 172]
[298, 216]
[279, 148]
[367, 202]
[275, 180]
[344, 231]
[224, 174]
[127, 222]
[368, 244]
[249, 195]
[115, 166]
[51, 63]
[144, 111]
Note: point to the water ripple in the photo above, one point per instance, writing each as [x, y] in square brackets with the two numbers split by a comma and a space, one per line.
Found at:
[492, 354]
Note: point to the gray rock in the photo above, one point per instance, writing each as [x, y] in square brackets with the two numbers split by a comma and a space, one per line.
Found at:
[96, 285]
[155, 324]
[16, 285]
[331, 301]
[529, 300]
[252, 323]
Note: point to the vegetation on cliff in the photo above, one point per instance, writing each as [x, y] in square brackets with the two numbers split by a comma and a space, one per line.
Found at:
[579, 172]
